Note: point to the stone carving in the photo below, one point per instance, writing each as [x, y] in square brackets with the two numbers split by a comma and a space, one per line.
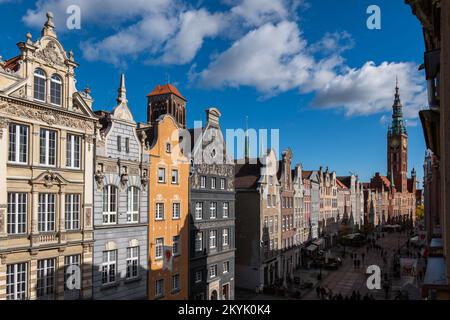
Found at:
[2, 219]
[50, 117]
[89, 140]
[111, 168]
[50, 179]
[88, 217]
[99, 177]
[3, 125]
[134, 171]
[50, 55]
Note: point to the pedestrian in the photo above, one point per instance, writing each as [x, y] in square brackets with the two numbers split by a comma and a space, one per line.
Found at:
[318, 292]
[323, 293]
[362, 256]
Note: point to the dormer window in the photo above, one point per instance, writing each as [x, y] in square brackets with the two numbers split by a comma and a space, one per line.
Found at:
[55, 90]
[40, 79]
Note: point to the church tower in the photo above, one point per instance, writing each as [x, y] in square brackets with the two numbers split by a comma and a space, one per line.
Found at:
[397, 147]
[166, 99]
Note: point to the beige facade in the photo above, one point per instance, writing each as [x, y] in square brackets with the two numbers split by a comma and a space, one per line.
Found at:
[47, 133]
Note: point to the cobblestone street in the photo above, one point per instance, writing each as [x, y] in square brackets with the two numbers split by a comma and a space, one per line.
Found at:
[347, 278]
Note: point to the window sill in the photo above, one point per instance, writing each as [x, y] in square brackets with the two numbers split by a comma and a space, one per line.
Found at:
[175, 292]
[108, 286]
[132, 280]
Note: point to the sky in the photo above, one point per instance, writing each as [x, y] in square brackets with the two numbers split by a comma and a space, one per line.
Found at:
[310, 68]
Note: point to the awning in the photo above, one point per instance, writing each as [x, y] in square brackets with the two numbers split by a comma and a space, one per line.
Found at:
[435, 274]
[318, 242]
[311, 247]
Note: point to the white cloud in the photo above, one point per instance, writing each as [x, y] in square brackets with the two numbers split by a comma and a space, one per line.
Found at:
[195, 26]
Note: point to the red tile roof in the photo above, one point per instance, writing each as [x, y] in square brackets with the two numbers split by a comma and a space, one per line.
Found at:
[340, 184]
[306, 174]
[12, 64]
[165, 89]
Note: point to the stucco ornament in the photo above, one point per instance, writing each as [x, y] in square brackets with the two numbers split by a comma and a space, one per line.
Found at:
[50, 55]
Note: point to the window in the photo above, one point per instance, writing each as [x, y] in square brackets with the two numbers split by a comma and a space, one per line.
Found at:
[109, 266]
[40, 85]
[46, 278]
[73, 151]
[175, 282]
[119, 143]
[213, 271]
[109, 204]
[203, 182]
[174, 176]
[18, 143]
[198, 276]
[226, 267]
[159, 288]
[55, 90]
[212, 239]
[159, 248]
[46, 212]
[199, 242]
[274, 200]
[72, 212]
[269, 200]
[213, 183]
[72, 262]
[213, 210]
[161, 175]
[225, 210]
[127, 145]
[47, 154]
[133, 205]
[176, 210]
[222, 183]
[16, 281]
[168, 148]
[176, 246]
[226, 237]
[199, 210]
[132, 262]
[159, 212]
[17, 213]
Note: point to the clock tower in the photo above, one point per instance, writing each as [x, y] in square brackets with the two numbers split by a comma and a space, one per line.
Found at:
[397, 147]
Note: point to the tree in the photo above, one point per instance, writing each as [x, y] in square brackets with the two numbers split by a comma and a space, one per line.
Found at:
[420, 212]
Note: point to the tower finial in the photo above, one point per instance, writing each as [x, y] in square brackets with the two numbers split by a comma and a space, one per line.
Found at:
[122, 91]
[246, 151]
[49, 26]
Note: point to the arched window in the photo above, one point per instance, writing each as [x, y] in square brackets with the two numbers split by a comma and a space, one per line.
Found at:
[40, 84]
[109, 204]
[55, 90]
[133, 205]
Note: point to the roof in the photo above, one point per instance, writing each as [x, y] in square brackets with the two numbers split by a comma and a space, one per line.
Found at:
[165, 89]
[306, 174]
[345, 180]
[12, 64]
[247, 175]
[340, 184]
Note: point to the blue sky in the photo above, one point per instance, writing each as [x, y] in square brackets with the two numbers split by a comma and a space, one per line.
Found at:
[309, 68]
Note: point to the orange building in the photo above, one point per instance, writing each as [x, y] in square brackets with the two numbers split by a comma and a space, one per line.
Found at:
[168, 196]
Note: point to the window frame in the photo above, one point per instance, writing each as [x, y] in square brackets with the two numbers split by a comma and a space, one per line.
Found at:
[178, 211]
[132, 263]
[56, 82]
[47, 147]
[46, 283]
[19, 143]
[42, 77]
[212, 239]
[133, 204]
[18, 287]
[109, 214]
[159, 211]
[159, 248]
[162, 170]
[71, 151]
[176, 242]
[46, 217]
[72, 221]
[199, 211]
[17, 208]
[109, 267]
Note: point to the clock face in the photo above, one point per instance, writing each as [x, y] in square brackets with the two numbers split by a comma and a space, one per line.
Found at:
[394, 142]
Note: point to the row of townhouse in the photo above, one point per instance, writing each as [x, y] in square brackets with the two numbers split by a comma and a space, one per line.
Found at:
[283, 213]
[96, 206]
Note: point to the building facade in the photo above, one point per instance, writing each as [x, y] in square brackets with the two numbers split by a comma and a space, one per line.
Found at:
[396, 191]
[299, 216]
[211, 214]
[47, 130]
[168, 173]
[258, 223]
[434, 17]
[120, 206]
[328, 206]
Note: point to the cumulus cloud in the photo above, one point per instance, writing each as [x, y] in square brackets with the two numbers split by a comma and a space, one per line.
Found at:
[195, 26]
[266, 50]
